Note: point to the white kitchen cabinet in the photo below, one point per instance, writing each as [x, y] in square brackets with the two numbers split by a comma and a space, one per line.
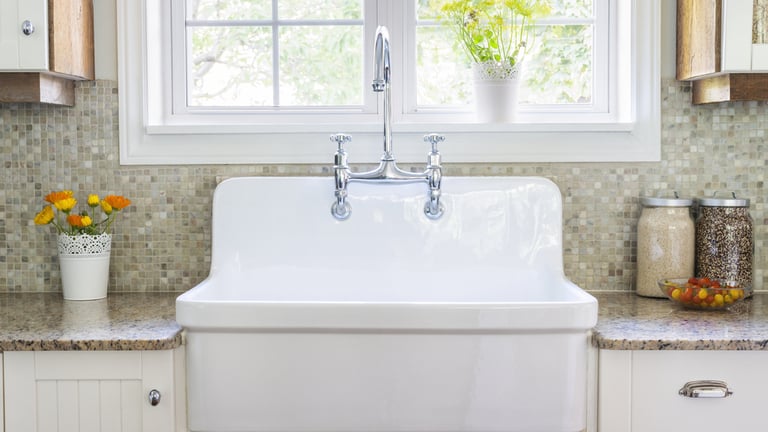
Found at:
[45, 45]
[638, 391]
[87, 391]
[722, 46]
[742, 50]
[2, 405]
[20, 51]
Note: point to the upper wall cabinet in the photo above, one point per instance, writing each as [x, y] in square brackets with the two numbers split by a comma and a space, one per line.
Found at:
[722, 45]
[44, 46]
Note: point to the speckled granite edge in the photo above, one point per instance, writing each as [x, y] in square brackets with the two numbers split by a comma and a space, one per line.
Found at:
[121, 322]
[630, 322]
[693, 345]
[91, 345]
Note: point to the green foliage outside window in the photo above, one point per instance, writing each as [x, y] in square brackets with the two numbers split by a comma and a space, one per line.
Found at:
[322, 65]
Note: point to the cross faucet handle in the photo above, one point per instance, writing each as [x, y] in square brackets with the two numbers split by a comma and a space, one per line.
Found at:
[340, 139]
[434, 139]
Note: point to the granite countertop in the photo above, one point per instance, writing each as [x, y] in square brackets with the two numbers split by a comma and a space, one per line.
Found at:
[145, 321]
[627, 321]
[122, 321]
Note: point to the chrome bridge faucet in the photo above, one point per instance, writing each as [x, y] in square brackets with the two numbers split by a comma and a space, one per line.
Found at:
[387, 171]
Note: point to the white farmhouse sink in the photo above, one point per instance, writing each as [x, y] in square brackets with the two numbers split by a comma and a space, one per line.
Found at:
[388, 321]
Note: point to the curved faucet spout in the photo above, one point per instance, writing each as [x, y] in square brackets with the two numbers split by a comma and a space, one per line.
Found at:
[381, 83]
[381, 59]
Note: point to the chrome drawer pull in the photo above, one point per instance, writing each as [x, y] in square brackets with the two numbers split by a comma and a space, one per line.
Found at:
[705, 389]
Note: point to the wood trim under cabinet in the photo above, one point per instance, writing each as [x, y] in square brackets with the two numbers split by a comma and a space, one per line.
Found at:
[699, 38]
[36, 87]
[730, 87]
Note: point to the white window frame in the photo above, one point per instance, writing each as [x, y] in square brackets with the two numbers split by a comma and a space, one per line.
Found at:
[150, 137]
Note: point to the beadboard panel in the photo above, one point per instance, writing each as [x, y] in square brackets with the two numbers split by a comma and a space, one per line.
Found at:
[102, 391]
[89, 406]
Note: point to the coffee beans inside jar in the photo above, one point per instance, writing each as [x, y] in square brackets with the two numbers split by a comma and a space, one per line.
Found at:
[724, 240]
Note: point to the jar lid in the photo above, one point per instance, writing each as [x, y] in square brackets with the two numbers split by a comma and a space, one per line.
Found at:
[723, 202]
[665, 202]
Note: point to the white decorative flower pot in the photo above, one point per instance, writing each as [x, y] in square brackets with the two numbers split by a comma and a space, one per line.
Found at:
[495, 92]
[84, 264]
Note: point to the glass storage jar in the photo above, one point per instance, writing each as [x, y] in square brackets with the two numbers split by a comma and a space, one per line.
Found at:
[724, 239]
[665, 243]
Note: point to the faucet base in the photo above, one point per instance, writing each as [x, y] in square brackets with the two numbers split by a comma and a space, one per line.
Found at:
[342, 211]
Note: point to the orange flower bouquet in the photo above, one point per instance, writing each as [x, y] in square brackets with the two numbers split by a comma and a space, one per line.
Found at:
[84, 222]
[84, 241]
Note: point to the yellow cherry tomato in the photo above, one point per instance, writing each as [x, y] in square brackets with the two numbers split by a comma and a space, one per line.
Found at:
[719, 300]
[703, 293]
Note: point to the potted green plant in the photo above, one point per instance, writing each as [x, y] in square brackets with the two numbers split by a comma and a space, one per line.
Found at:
[495, 35]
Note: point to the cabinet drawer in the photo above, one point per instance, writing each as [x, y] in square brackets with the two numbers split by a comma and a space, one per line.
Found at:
[658, 376]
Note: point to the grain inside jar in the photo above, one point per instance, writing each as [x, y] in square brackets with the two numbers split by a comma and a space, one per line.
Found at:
[665, 243]
[724, 240]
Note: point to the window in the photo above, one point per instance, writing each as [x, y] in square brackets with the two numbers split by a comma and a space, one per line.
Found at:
[272, 94]
[269, 55]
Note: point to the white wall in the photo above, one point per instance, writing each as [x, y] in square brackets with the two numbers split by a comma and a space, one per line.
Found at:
[668, 38]
[105, 35]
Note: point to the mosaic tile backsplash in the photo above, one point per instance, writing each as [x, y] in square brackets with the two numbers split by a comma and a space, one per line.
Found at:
[162, 241]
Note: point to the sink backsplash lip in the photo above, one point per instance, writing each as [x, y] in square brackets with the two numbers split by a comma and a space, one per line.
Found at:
[322, 193]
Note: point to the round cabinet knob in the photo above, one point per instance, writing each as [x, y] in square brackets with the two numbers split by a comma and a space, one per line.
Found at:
[27, 27]
[154, 397]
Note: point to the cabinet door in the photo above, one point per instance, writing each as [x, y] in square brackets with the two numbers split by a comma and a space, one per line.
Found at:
[614, 395]
[20, 52]
[89, 391]
[657, 376]
[744, 34]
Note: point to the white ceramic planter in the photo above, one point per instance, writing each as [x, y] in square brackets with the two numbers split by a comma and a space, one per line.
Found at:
[495, 87]
[84, 264]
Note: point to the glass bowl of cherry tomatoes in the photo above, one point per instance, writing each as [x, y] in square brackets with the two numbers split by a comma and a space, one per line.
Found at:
[704, 293]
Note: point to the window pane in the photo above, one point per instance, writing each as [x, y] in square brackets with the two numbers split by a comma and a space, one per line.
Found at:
[427, 10]
[229, 9]
[572, 8]
[442, 71]
[327, 9]
[559, 69]
[321, 65]
[230, 66]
